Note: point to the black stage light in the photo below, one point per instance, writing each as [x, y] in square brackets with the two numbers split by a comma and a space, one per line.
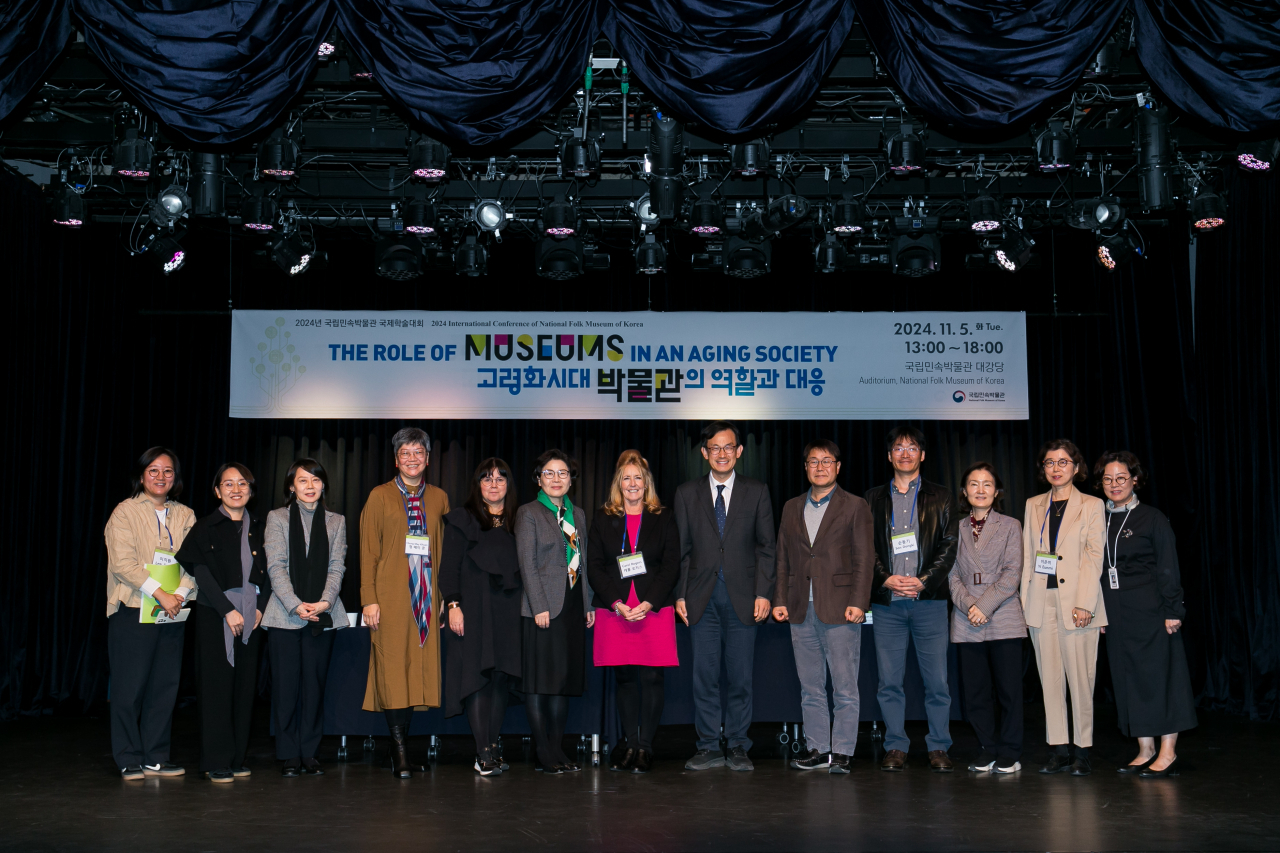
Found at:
[558, 259]
[651, 256]
[1116, 250]
[1106, 63]
[428, 159]
[133, 156]
[742, 259]
[666, 163]
[325, 51]
[782, 212]
[849, 216]
[166, 253]
[420, 217]
[917, 249]
[278, 156]
[291, 253]
[643, 209]
[559, 219]
[905, 150]
[1258, 157]
[984, 214]
[1208, 210]
[1093, 214]
[750, 158]
[1055, 147]
[69, 208]
[259, 213]
[170, 206]
[207, 195]
[398, 260]
[471, 259]
[830, 255]
[581, 157]
[490, 216]
[1014, 250]
[1155, 158]
[706, 218]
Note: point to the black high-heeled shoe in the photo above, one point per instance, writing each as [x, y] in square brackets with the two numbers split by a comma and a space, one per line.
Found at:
[623, 758]
[1171, 770]
[1135, 769]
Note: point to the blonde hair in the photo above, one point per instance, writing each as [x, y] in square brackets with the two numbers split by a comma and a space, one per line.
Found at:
[615, 506]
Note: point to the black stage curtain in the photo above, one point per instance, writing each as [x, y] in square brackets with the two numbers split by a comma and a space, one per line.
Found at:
[32, 35]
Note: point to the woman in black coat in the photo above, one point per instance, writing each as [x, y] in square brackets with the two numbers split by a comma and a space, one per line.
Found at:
[224, 552]
[633, 564]
[1143, 593]
[480, 586]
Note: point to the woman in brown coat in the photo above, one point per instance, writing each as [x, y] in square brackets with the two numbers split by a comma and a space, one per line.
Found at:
[400, 592]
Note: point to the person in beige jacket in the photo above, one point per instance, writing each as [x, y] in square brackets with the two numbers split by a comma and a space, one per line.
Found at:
[1062, 599]
[145, 659]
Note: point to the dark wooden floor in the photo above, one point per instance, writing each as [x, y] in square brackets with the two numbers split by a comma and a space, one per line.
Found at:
[60, 792]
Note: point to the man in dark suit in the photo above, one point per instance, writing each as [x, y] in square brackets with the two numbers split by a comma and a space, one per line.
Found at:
[916, 527]
[825, 560]
[726, 582]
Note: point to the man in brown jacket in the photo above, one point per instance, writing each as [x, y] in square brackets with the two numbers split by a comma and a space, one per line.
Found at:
[825, 561]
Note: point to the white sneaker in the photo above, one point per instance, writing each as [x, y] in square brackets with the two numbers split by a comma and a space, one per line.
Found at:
[1017, 765]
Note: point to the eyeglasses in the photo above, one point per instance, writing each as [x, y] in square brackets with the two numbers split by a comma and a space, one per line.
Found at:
[906, 450]
[494, 481]
[1061, 463]
[716, 450]
[160, 473]
[233, 485]
[820, 463]
[1115, 481]
[548, 474]
[407, 454]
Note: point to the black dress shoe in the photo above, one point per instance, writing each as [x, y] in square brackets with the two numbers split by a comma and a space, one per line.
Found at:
[495, 751]
[290, 771]
[839, 763]
[1135, 769]
[644, 761]
[623, 759]
[1171, 770]
[1081, 766]
[1057, 764]
[312, 768]
[812, 761]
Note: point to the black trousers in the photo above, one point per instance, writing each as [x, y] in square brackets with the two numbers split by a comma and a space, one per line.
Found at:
[991, 672]
[226, 692]
[640, 700]
[299, 669]
[146, 662]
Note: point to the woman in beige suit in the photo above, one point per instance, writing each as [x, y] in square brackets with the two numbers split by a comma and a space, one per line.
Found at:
[1062, 599]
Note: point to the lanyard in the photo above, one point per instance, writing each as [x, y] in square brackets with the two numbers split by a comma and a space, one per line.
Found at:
[915, 495]
[166, 526]
[404, 500]
[623, 549]
[1113, 557]
[1046, 521]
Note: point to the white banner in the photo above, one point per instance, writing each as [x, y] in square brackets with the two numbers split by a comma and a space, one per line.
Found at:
[632, 365]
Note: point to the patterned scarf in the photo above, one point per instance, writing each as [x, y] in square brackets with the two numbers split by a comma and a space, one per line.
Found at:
[419, 565]
[564, 518]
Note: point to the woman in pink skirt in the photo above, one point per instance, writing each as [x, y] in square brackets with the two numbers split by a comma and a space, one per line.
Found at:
[633, 563]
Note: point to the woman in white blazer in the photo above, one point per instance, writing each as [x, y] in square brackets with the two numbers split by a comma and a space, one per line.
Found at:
[1062, 534]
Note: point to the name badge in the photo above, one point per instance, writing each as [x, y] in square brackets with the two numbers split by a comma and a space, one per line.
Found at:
[162, 557]
[904, 543]
[1046, 564]
[1115, 577]
[632, 565]
[417, 545]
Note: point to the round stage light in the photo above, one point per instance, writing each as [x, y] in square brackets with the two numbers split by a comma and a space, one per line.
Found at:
[399, 261]
[1014, 251]
[581, 157]
[1258, 157]
[905, 150]
[651, 256]
[278, 156]
[420, 217]
[558, 259]
[706, 218]
[170, 206]
[166, 253]
[291, 253]
[849, 216]
[1208, 211]
[644, 212]
[829, 255]
[428, 158]
[984, 214]
[750, 158]
[69, 207]
[132, 155]
[471, 259]
[490, 216]
[559, 219]
[746, 260]
[326, 50]
[1055, 147]
[259, 213]
[1115, 250]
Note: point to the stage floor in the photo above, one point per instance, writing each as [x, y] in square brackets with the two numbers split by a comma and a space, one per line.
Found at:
[60, 792]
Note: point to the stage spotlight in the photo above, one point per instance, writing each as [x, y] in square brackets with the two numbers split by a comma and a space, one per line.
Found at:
[326, 50]
[69, 208]
[278, 156]
[643, 209]
[984, 214]
[781, 213]
[558, 259]
[1258, 157]
[829, 255]
[666, 163]
[1116, 250]
[398, 260]
[706, 218]
[1106, 62]
[1094, 214]
[259, 213]
[1014, 251]
[1208, 210]
[1055, 147]
[905, 150]
[651, 256]
[742, 259]
[1155, 158]
[291, 253]
[849, 215]
[471, 259]
[207, 194]
[917, 249]
[170, 206]
[428, 159]
[750, 158]
[490, 216]
[133, 155]
[581, 157]
[559, 219]
[420, 217]
[166, 253]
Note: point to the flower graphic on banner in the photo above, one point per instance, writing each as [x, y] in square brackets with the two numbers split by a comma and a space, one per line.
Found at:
[278, 367]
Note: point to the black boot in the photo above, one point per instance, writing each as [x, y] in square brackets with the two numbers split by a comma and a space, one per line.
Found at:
[401, 767]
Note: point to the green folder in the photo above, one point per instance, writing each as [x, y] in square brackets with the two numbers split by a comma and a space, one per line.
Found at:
[168, 576]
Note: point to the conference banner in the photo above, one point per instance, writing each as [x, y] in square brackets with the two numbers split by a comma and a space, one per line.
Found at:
[629, 365]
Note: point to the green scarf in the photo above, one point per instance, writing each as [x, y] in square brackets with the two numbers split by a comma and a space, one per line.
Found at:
[564, 518]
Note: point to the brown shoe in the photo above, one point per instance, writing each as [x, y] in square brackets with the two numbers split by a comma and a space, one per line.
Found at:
[940, 762]
[894, 759]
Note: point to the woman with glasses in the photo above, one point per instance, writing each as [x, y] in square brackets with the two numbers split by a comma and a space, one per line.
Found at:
[306, 559]
[1062, 534]
[634, 564]
[143, 536]
[226, 555]
[1143, 591]
[480, 586]
[556, 610]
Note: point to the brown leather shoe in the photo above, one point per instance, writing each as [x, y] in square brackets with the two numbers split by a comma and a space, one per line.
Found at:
[940, 762]
[894, 759]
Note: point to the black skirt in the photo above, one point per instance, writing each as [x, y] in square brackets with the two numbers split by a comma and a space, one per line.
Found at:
[490, 639]
[1148, 665]
[554, 658]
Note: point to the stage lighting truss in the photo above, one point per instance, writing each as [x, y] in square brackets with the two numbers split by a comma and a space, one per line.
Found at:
[278, 156]
[1258, 157]
[750, 158]
[428, 158]
[170, 205]
[471, 259]
[848, 216]
[292, 252]
[706, 218]
[1055, 147]
[559, 259]
[1208, 210]
[1117, 249]
[420, 217]
[489, 215]
[165, 252]
[1014, 250]
[560, 219]
[830, 255]
[651, 256]
[744, 259]
[69, 207]
[905, 149]
[399, 260]
[259, 213]
[917, 249]
[984, 214]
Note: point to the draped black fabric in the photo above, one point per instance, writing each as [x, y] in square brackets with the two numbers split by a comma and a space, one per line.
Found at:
[1219, 61]
[981, 65]
[215, 71]
[473, 71]
[737, 67]
[32, 34]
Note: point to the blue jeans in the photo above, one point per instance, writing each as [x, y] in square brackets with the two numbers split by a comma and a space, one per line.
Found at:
[721, 633]
[924, 622]
[819, 647]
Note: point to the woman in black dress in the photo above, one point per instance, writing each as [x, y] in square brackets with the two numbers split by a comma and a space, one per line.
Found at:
[480, 585]
[1143, 593]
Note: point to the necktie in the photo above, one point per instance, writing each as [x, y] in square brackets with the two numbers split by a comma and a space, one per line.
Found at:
[721, 514]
